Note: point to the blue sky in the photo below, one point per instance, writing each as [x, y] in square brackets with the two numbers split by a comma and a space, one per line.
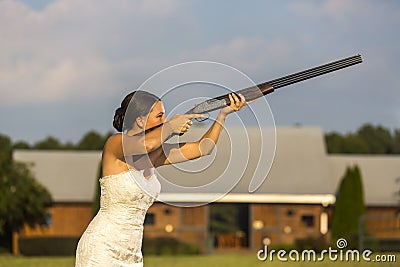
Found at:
[65, 65]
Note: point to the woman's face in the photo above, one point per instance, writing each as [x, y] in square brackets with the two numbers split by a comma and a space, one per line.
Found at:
[155, 117]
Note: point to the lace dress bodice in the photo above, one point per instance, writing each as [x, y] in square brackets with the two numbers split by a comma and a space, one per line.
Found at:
[114, 236]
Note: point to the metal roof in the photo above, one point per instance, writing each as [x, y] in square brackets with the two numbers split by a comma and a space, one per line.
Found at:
[70, 176]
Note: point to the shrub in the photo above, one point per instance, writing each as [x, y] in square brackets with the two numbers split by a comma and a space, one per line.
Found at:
[48, 246]
[167, 246]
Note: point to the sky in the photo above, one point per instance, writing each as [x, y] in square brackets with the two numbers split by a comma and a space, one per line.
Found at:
[65, 65]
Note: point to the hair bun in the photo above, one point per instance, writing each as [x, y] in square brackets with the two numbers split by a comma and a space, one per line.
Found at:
[118, 119]
[127, 113]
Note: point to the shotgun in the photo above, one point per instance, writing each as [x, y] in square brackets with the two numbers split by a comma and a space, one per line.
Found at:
[259, 90]
[265, 88]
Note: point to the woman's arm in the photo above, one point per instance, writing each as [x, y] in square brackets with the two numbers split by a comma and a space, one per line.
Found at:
[122, 144]
[174, 153]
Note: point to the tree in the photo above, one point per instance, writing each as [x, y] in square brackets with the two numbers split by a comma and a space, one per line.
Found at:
[349, 207]
[91, 141]
[368, 139]
[21, 145]
[5, 155]
[69, 146]
[379, 139]
[48, 144]
[334, 142]
[22, 198]
[354, 144]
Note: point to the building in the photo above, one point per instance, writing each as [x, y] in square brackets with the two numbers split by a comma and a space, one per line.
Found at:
[290, 198]
[70, 177]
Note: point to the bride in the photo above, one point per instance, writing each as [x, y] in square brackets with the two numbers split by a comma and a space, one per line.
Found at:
[129, 185]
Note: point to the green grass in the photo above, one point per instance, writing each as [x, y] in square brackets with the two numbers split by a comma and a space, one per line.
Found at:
[217, 260]
[12, 261]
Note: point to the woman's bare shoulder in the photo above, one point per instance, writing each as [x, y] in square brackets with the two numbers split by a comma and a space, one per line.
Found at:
[113, 142]
[114, 137]
[113, 161]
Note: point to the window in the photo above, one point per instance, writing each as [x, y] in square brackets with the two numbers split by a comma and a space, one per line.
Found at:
[149, 219]
[307, 220]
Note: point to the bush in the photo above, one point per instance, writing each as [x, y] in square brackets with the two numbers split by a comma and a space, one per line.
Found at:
[66, 246]
[48, 246]
[167, 246]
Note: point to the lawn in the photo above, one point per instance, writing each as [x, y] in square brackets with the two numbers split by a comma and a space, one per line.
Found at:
[219, 260]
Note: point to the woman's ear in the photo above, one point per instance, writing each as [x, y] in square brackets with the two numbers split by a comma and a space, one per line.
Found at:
[140, 122]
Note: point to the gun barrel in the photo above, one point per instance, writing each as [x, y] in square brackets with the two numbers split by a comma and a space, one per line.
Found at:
[314, 72]
[265, 88]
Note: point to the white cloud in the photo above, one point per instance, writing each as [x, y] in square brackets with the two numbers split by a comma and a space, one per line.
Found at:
[159, 7]
[248, 54]
[345, 12]
[67, 48]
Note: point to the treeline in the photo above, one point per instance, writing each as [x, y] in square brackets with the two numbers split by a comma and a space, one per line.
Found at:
[92, 140]
[368, 139]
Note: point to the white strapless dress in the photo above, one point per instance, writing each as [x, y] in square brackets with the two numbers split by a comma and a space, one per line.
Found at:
[114, 236]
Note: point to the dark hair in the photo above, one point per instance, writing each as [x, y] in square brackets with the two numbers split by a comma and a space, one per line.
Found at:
[141, 105]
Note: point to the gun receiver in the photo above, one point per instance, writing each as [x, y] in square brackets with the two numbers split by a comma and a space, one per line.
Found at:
[265, 88]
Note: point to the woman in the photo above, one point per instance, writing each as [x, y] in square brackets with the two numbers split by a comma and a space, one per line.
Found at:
[129, 186]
